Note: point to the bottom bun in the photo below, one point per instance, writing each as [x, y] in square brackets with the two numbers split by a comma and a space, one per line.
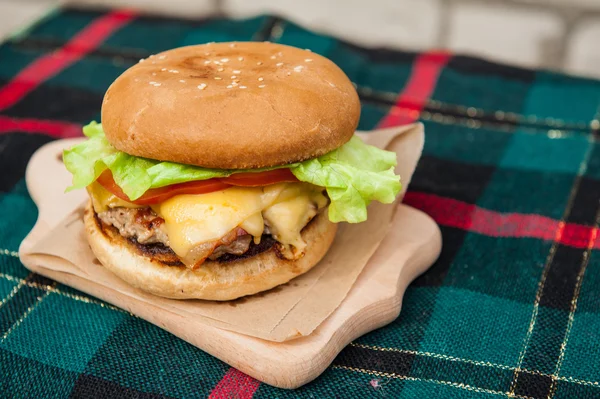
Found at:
[213, 280]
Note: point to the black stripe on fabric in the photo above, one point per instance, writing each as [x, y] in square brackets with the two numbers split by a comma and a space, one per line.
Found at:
[585, 203]
[559, 287]
[18, 305]
[398, 363]
[460, 181]
[453, 239]
[15, 151]
[39, 279]
[156, 19]
[475, 66]
[57, 103]
[489, 118]
[533, 385]
[381, 55]
[90, 387]
[425, 367]
[89, 12]
[48, 45]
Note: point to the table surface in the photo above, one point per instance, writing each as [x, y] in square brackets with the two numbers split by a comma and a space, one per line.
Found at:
[510, 172]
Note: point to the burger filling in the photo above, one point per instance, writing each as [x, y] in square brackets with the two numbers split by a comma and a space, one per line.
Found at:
[198, 227]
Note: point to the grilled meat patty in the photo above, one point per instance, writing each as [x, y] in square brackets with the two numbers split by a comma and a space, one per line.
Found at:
[146, 227]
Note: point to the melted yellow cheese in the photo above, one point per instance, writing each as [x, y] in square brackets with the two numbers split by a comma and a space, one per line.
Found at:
[192, 219]
[103, 199]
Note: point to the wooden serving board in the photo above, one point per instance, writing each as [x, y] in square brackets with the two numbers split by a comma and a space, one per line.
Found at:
[374, 300]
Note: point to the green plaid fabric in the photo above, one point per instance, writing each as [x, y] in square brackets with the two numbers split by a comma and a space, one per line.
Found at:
[510, 171]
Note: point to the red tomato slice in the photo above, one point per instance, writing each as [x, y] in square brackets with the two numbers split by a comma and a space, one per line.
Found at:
[158, 195]
[257, 179]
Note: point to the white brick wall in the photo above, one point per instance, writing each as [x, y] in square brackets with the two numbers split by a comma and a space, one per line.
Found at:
[412, 24]
[521, 36]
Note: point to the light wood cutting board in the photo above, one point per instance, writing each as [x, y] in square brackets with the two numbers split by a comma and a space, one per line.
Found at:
[374, 301]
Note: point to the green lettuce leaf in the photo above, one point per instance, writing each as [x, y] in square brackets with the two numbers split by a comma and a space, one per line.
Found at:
[353, 175]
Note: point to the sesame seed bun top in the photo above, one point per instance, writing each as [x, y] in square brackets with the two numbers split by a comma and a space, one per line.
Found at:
[231, 106]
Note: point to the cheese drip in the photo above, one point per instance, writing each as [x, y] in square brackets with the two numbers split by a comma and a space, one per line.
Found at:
[102, 199]
[191, 220]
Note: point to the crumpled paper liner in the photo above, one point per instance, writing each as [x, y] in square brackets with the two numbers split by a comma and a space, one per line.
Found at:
[289, 311]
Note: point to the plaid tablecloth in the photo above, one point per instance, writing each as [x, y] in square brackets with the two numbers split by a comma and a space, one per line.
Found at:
[510, 171]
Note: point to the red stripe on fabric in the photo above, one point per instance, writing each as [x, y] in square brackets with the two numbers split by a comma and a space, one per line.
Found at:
[453, 213]
[417, 91]
[55, 129]
[235, 384]
[49, 65]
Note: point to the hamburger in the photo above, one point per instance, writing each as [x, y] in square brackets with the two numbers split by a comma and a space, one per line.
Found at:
[222, 170]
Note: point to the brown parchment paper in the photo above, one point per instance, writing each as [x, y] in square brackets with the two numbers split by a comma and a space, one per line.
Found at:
[290, 311]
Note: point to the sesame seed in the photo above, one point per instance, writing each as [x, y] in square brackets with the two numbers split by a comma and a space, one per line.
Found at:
[217, 63]
[153, 73]
[309, 50]
[152, 83]
[298, 68]
[217, 78]
[141, 60]
[206, 62]
[308, 60]
[224, 59]
[259, 63]
[243, 87]
[331, 84]
[273, 57]
[261, 86]
[202, 86]
[234, 84]
[229, 87]
[182, 81]
[151, 56]
[232, 45]
[288, 74]
[162, 57]
[260, 79]
[237, 71]
[163, 69]
[233, 77]
[173, 71]
[240, 58]
[279, 64]
[279, 54]
[220, 69]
